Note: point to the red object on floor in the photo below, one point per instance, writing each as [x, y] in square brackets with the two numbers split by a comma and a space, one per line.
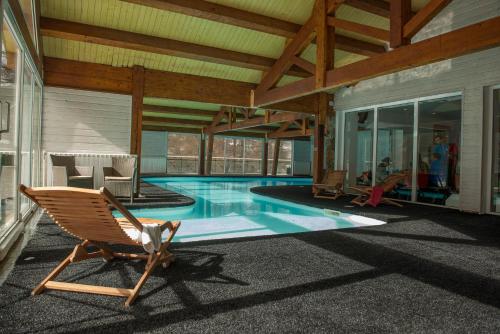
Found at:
[376, 196]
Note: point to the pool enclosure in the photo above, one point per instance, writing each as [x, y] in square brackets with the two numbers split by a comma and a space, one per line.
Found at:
[256, 90]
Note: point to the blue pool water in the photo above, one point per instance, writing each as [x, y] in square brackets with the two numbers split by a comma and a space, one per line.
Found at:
[225, 208]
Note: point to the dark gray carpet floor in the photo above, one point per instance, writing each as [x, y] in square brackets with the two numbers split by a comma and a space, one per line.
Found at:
[435, 271]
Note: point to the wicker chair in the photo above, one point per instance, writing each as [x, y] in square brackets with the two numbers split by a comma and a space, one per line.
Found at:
[119, 178]
[65, 173]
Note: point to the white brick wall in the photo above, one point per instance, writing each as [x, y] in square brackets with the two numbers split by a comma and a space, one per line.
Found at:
[468, 74]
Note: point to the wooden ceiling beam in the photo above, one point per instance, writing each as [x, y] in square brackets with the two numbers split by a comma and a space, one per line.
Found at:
[400, 15]
[376, 7]
[304, 64]
[363, 29]
[167, 110]
[139, 42]
[175, 121]
[303, 38]
[423, 16]
[476, 37]
[290, 134]
[158, 84]
[352, 45]
[255, 122]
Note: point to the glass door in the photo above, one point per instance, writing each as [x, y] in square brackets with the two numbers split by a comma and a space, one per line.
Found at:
[495, 172]
[358, 147]
[8, 128]
[395, 147]
[439, 138]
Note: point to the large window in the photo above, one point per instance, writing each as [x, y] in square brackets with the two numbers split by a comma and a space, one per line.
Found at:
[358, 147]
[439, 133]
[20, 114]
[8, 129]
[237, 156]
[26, 128]
[395, 146]
[285, 160]
[424, 149]
[495, 173]
[183, 153]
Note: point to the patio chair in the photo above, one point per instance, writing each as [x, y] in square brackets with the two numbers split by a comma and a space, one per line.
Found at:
[332, 186]
[86, 215]
[66, 173]
[119, 178]
[386, 186]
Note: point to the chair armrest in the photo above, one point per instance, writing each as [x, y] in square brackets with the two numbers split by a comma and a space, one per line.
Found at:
[59, 176]
[85, 170]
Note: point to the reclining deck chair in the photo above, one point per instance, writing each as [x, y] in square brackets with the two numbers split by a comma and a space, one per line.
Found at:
[387, 185]
[332, 186]
[86, 215]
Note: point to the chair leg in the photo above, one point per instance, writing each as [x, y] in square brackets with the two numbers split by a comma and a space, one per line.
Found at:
[150, 266]
[57, 270]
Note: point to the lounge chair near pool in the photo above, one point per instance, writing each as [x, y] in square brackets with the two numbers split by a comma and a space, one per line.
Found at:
[332, 186]
[375, 195]
[86, 214]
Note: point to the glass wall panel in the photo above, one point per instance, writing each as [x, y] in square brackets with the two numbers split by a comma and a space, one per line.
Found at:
[8, 132]
[183, 153]
[35, 136]
[218, 160]
[234, 156]
[284, 159]
[495, 182]
[253, 156]
[395, 146]
[26, 115]
[439, 133]
[358, 147]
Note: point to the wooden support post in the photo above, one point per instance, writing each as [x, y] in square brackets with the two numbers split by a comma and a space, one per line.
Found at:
[276, 156]
[136, 126]
[319, 136]
[265, 155]
[201, 160]
[400, 15]
[210, 150]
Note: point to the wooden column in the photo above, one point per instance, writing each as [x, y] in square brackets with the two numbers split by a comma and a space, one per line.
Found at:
[400, 15]
[136, 126]
[265, 155]
[210, 150]
[201, 160]
[276, 156]
[319, 136]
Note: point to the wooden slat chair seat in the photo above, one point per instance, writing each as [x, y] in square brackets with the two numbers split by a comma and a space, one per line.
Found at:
[86, 215]
[332, 185]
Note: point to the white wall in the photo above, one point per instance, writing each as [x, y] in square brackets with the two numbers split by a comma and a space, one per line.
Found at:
[77, 121]
[468, 74]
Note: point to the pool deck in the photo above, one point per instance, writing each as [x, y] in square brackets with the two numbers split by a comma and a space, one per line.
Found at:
[153, 196]
[427, 270]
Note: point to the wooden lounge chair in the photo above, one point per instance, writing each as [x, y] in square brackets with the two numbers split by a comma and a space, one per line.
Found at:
[86, 215]
[388, 184]
[332, 186]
